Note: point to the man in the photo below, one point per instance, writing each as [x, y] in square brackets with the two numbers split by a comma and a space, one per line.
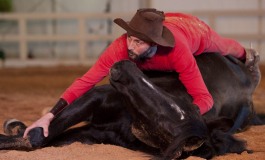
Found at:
[157, 41]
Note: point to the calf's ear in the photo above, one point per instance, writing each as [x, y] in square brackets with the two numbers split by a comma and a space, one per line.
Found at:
[221, 123]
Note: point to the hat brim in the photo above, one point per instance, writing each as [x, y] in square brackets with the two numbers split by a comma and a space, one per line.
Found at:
[167, 39]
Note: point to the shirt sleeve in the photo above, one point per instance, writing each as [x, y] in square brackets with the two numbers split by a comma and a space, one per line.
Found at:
[185, 64]
[113, 53]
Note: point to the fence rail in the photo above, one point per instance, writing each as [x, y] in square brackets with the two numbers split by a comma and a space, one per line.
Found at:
[82, 37]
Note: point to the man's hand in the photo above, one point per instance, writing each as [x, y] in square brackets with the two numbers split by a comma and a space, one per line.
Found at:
[43, 122]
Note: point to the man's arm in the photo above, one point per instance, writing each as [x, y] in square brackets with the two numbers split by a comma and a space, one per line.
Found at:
[189, 74]
[115, 52]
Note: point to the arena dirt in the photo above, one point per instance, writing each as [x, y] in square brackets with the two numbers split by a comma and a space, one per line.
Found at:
[25, 92]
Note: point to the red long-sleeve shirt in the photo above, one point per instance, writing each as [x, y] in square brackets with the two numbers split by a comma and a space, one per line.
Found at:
[192, 37]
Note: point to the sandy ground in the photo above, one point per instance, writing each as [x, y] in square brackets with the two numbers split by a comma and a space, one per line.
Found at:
[24, 93]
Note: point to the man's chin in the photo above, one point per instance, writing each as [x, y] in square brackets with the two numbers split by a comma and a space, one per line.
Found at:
[132, 57]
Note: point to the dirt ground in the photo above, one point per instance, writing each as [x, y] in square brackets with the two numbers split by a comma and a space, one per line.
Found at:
[25, 92]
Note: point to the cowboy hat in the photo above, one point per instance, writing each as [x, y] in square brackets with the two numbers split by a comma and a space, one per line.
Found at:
[147, 25]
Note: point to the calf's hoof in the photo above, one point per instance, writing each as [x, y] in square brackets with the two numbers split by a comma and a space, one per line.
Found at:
[13, 127]
[252, 58]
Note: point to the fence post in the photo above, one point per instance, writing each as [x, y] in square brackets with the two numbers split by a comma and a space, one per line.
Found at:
[82, 41]
[23, 46]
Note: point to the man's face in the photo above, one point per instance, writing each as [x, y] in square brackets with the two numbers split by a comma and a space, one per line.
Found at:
[136, 47]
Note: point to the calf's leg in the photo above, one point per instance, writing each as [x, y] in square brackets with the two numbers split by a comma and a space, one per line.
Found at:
[80, 110]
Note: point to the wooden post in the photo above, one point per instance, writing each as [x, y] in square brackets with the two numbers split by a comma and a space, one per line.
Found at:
[23, 46]
[82, 41]
[259, 42]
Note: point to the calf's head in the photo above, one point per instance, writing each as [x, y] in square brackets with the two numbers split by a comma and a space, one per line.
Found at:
[157, 119]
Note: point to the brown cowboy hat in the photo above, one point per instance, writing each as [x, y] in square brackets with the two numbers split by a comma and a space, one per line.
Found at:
[147, 25]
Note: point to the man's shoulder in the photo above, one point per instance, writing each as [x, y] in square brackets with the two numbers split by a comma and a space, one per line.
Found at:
[179, 15]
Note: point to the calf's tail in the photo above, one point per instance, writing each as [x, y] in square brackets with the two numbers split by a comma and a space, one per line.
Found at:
[224, 142]
[220, 143]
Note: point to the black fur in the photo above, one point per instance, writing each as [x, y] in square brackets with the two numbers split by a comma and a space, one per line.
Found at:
[112, 113]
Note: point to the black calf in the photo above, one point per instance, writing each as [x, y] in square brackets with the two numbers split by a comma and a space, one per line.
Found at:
[168, 122]
[112, 114]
